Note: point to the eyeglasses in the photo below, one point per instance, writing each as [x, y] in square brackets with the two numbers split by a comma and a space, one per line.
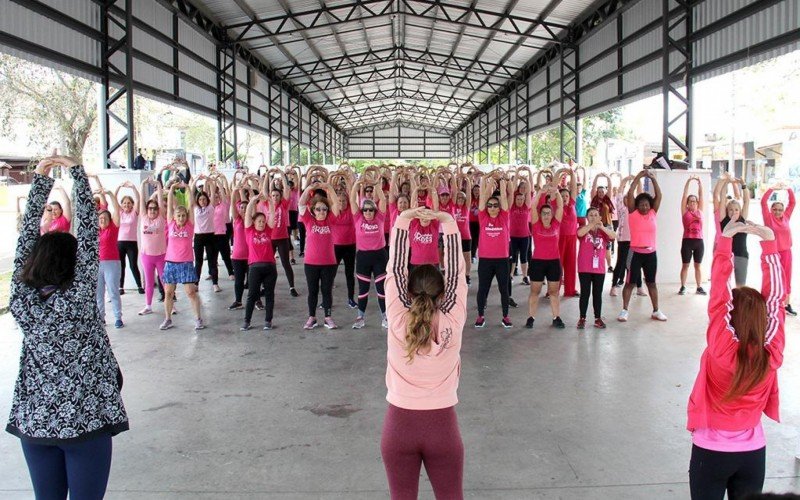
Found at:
[492, 205]
[364, 210]
[368, 190]
[320, 209]
[152, 208]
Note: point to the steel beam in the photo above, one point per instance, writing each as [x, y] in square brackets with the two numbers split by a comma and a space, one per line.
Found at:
[569, 137]
[227, 139]
[677, 82]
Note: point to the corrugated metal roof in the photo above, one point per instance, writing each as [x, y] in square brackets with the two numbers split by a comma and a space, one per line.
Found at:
[469, 48]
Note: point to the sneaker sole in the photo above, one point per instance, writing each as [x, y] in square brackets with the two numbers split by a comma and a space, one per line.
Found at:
[622, 320]
[331, 327]
[506, 326]
[165, 328]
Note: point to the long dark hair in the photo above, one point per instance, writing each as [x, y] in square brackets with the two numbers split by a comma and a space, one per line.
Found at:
[749, 320]
[425, 287]
[51, 262]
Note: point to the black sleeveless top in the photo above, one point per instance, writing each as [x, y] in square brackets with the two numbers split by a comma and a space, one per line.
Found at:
[739, 239]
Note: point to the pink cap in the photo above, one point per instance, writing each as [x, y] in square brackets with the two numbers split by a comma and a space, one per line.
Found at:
[443, 190]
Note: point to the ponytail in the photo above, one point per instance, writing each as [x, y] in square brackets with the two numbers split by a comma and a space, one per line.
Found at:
[419, 329]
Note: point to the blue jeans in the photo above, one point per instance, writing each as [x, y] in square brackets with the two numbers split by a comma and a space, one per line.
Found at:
[108, 281]
[80, 468]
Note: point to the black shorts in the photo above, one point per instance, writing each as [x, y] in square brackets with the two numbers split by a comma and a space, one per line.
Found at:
[292, 220]
[466, 246]
[692, 248]
[519, 247]
[638, 262]
[539, 269]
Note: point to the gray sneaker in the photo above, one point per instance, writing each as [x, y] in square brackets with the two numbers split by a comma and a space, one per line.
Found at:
[268, 325]
[385, 322]
[166, 324]
[359, 324]
[198, 324]
[245, 326]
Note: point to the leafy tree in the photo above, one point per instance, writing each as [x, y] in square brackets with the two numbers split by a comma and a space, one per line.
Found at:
[60, 109]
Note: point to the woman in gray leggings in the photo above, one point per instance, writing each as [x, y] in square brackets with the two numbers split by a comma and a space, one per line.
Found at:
[733, 210]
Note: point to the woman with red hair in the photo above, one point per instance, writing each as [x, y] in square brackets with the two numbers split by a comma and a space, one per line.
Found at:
[738, 373]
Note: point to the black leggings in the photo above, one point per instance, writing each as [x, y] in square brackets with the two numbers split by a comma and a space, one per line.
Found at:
[206, 241]
[591, 283]
[371, 263]
[319, 277]
[301, 228]
[618, 278]
[224, 249]
[711, 473]
[347, 253]
[487, 270]
[283, 246]
[131, 250]
[239, 276]
[475, 232]
[261, 274]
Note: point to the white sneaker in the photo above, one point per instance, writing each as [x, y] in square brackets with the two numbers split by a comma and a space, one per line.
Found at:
[385, 322]
[623, 315]
[147, 310]
[659, 316]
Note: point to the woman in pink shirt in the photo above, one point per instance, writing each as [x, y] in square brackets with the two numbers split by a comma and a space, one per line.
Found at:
[204, 242]
[221, 201]
[777, 217]
[153, 225]
[692, 245]
[567, 234]
[424, 240]
[371, 255]
[278, 187]
[493, 247]
[109, 271]
[426, 310]
[128, 228]
[320, 261]
[57, 216]
[519, 223]
[179, 266]
[344, 237]
[474, 228]
[642, 218]
[262, 273]
[239, 252]
[545, 263]
[461, 214]
[593, 238]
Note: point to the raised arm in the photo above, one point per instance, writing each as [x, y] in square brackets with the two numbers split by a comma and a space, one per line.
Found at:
[535, 206]
[630, 198]
[684, 205]
[701, 199]
[66, 203]
[720, 301]
[37, 198]
[745, 201]
[765, 203]
[333, 199]
[455, 283]
[302, 204]
[657, 189]
[354, 208]
[396, 282]
[559, 204]
[573, 185]
[381, 197]
[773, 289]
[250, 212]
[116, 210]
[789, 206]
[504, 186]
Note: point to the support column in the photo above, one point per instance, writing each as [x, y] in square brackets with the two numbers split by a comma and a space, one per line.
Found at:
[568, 120]
[117, 40]
[677, 82]
[227, 140]
[275, 120]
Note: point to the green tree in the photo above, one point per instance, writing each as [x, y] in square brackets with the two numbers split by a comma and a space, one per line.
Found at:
[59, 109]
[605, 125]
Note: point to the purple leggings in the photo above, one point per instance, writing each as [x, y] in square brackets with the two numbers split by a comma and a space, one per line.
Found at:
[413, 437]
[151, 264]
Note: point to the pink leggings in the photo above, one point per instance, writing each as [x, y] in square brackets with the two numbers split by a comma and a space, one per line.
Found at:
[413, 437]
[786, 261]
[150, 264]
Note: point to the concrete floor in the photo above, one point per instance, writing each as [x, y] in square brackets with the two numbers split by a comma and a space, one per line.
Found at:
[293, 414]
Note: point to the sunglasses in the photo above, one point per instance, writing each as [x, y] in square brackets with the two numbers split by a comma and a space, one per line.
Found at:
[152, 208]
[492, 205]
[368, 190]
[320, 209]
[364, 210]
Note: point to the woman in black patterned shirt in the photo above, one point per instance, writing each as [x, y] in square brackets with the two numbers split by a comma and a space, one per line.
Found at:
[67, 403]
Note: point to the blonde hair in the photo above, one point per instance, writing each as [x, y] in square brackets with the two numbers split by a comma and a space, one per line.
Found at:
[425, 286]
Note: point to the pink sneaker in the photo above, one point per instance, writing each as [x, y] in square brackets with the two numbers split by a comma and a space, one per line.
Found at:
[329, 324]
[311, 323]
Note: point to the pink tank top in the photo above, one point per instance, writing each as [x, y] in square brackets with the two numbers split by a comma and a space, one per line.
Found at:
[693, 224]
[643, 231]
[128, 222]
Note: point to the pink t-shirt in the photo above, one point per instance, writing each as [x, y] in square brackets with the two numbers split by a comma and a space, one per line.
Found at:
[281, 229]
[369, 234]
[424, 242]
[222, 214]
[128, 222]
[154, 236]
[693, 224]
[473, 211]
[730, 441]
[108, 242]
[179, 242]
[319, 240]
[781, 227]
[294, 199]
[519, 221]
[393, 213]
[239, 251]
[569, 219]
[60, 223]
[203, 220]
[344, 231]
[493, 243]
[643, 231]
[461, 215]
[592, 253]
[623, 226]
[259, 246]
[545, 240]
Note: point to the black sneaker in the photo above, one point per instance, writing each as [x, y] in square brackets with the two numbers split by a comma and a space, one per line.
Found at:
[293, 292]
[122, 291]
[790, 311]
[480, 322]
[351, 304]
[469, 282]
[268, 325]
[245, 326]
[259, 305]
[700, 291]
[302, 254]
[506, 322]
[529, 322]
[512, 302]
[161, 299]
[141, 291]
[293, 262]
[516, 271]
[682, 291]
[235, 306]
[557, 323]
[526, 281]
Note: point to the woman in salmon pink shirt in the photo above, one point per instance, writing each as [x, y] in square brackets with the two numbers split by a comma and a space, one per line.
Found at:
[152, 227]
[318, 213]
[109, 272]
[567, 234]
[593, 238]
[279, 192]
[426, 311]
[57, 216]
[221, 201]
[239, 251]
[262, 273]
[738, 378]
[128, 227]
[493, 247]
[545, 263]
[369, 221]
[777, 217]
[344, 239]
[692, 245]
[519, 222]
